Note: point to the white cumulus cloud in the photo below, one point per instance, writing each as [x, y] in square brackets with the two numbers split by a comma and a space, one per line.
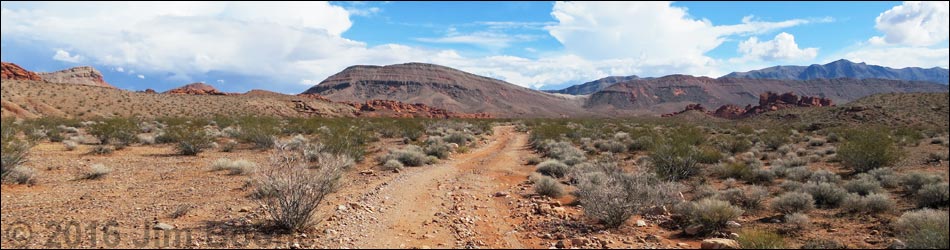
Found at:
[62, 55]
[140, 76]
[781, 48]
[914, 24]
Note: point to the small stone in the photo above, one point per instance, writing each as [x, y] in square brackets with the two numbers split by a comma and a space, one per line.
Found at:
[579, 242]
[641, 223]
[718, 243]
[733, 224]
[163, 227]
[875, 232]
[559, 244]
[341, 207]
[653, 238]
[244, 210]
[694, 229]
[501, 194]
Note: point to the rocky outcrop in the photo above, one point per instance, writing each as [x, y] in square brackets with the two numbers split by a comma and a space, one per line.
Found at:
[84, 75]
[196, 89]
[388, 108]
[11, 71]
[768, 102]
[692, 107]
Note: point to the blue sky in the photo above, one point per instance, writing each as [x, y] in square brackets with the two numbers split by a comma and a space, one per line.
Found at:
[289, 47]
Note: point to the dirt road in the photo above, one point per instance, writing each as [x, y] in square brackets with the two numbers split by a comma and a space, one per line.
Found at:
[462, 202]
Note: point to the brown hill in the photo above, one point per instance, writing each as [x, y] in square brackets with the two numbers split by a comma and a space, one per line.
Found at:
[11, 71]
[444, 88]
[671, 93]
[84, 75]
[197, 88]
[767, 102]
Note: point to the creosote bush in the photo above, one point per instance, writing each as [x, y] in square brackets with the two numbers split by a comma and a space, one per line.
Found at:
[191, 139]
[868, 149]
[119, 132]
[675, 159]
[291, 187]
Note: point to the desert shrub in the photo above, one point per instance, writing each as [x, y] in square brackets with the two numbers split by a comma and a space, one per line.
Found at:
[708, 155]
[549, 187]
[711, 214]
[97, 171]
[866, 150]
[828, 195]
[411, 156]
[872, 203]
[934, 195]
[262, 132]
[534, 160]
[816, 142]
[936, 158]
[749, 198]
[822, 176]
[292, 188]
[145, 139]
[793, 202]
[229, 146]
[791, 162]
[863, 184]
[735, 170]
[316, 154]
[798, 173]
[553, 168]
[886, 176]
[823, 244]
[924, 229]
[438, 148]
[562, 151]
[759, 239]
[610, 146]
[70, 145]
[790, 185]
[774, 139]
[392, 164]
[191, 139]
[238, 167]
[760, 176]
[675, 160]
[14, 151]
[797, 221]
[20, 175]
[733, 145]
[913, 182]
[116, 131]
[612, 196]
[102, 150]
[458, 138]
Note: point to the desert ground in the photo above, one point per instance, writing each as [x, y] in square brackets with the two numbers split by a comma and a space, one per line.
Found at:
[421, 183]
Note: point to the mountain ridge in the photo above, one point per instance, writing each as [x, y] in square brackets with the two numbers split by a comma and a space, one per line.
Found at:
[845, 69]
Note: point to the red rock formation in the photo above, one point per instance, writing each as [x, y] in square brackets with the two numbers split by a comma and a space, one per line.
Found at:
[11, 71]
[196, 89]
[315, 96]
[767, 102]
[388, 108]
[690, 107]
[149, 91]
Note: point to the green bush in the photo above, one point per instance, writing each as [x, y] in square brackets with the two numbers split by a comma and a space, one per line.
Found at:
[866, 150]
[119, 132]
[708, 155]
[914, 181]
[733, 145]
[191, 139]
[759, 239]
[549, 187]
[863, 184]
[260, 131]
[774, 139]
[392, 164]
[793, 202]
[675, 159]
[553, 168]
[924, 229]
[711, 214]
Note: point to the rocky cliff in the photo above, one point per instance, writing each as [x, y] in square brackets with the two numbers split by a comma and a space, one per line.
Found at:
[11, 71]
[84, 75]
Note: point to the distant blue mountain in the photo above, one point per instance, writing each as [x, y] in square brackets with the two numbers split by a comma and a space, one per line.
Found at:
[845, 69]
